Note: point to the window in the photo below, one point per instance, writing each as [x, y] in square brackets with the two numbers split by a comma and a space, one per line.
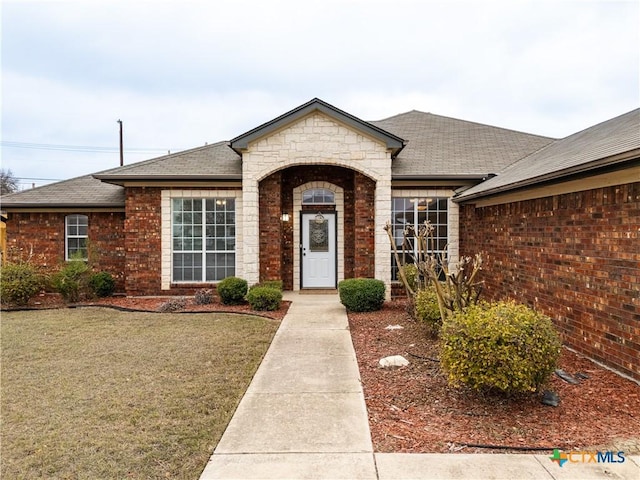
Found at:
[318, 196]
[411, 211]
[77, 233]
[203, 239]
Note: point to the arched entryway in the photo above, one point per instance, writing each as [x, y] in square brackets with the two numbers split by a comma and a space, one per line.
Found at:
[350, 218]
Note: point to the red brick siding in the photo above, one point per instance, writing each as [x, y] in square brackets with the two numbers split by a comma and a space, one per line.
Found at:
[575, 257]
[44, 234]
[364, 226]
[143, 241]
[271, 230]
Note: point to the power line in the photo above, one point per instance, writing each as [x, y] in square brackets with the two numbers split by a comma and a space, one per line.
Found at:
[75, 148]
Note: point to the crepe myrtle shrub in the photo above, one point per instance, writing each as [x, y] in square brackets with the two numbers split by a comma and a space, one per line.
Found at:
[505, 348]
[102, 284]
[264, 298]
[204, 296]
[232, 290]
[361, 294]
[72, 280]
[19, 282]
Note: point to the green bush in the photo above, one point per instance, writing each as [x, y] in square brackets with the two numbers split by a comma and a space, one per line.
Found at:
[504, 347]
[102, 284]
[19, 282]
[264, 298]
[426, 307]
[362, 294]
[232, 290]
[72, 281]
[277, 284]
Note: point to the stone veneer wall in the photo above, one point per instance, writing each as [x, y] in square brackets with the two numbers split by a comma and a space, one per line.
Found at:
[44, 234]
[575, 257]
[317, 140]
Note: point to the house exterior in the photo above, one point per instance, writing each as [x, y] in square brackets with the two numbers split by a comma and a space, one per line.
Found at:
[304, 198]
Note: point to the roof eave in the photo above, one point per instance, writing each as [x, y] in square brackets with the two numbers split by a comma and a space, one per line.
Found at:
[122, 179]
[26, 205]
[611, 162]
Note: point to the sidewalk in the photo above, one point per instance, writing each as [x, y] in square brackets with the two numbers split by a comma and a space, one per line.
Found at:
[304, 417]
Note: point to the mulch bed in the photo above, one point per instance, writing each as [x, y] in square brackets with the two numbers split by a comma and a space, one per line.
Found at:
[412, 409]
[151, 304]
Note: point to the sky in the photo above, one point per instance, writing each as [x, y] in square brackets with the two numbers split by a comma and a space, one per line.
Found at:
[180, 74]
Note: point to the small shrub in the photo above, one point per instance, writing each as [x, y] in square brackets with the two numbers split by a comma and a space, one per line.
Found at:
[362, 294]
[19, 282]
[172, 305]
[72, 281]
[504, 347]
[277, 284]
[204, 296]
[264, 298]
[426, 308]
[102, 284]
[232, 290]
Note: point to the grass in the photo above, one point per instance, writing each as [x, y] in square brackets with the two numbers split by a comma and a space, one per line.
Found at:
[97, 393]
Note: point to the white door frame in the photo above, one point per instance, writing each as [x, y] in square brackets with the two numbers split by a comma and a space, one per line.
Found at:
[332, 252]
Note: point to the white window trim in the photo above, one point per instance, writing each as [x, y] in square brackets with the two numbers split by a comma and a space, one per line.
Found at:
[453, 217]
[166, 233]
[67, 236]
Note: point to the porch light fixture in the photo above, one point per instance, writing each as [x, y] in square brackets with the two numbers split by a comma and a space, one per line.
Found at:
[319, 218]
[285, 217]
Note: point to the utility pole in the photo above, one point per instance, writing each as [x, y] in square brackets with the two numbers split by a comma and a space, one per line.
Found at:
[121, 145]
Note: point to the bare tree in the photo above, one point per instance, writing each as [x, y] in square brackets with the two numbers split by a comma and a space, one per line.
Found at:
[8, 183]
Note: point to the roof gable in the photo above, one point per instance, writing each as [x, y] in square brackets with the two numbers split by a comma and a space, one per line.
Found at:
[392, 142]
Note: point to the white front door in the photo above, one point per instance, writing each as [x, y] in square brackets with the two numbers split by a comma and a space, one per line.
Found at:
[318, 250]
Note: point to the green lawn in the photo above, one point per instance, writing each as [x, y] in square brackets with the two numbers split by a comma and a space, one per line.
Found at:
[100, 394]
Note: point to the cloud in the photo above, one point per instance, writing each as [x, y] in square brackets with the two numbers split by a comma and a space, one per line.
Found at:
[180, 74]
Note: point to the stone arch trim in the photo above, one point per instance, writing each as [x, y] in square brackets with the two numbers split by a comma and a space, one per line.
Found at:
[295, 218]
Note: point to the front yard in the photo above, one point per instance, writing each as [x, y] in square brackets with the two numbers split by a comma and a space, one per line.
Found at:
[98, 393]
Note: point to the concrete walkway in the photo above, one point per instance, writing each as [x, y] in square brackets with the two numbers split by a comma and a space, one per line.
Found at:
[304, 417]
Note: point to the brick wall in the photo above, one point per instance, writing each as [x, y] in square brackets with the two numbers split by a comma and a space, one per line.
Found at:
[575, 257]
[143, 241]
[44, 234]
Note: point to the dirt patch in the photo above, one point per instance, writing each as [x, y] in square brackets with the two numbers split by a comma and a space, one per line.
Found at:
[412, 409]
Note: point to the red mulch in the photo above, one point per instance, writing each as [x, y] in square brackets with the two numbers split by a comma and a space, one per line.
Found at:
[412, 409]
[152, 304]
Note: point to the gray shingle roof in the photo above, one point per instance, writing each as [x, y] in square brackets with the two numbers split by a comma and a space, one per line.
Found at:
[211, 161]
[583, 151]
[447, 147]
[436, 147]
[84, 191]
